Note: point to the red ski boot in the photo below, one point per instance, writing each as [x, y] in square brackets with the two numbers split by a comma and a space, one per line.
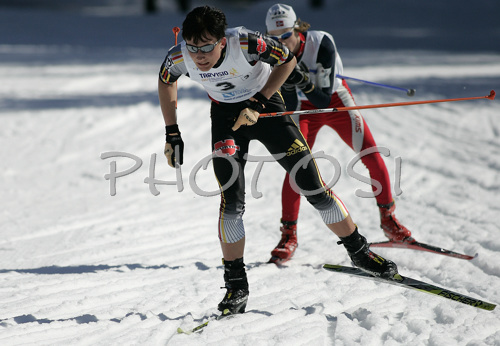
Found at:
[288, 243]
[393, 229]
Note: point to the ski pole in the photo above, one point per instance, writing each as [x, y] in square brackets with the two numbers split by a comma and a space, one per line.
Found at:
[176, 31]
[491, 96]
[409, 92]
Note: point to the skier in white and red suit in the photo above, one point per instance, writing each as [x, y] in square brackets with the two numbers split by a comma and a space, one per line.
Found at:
[314, 85]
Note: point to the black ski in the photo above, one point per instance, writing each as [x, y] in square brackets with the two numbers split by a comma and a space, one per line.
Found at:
[407, 282]
[415, 245]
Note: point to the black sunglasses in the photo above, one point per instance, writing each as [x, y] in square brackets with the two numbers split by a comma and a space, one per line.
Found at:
[283, 36]
[204, 49]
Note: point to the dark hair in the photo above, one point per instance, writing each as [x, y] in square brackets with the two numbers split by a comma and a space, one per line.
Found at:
[204, 21]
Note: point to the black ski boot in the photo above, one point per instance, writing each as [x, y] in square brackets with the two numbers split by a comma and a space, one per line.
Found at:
[366, 260]
[235, 278]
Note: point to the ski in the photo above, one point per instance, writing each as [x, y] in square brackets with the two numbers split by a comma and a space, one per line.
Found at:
[199, 328]
[414, 284]
[193, 330]
[415, 245]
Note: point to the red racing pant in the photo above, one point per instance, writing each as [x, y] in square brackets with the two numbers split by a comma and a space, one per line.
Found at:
[354, 131]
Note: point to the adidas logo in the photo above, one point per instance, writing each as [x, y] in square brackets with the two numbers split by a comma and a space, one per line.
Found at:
[296, 147]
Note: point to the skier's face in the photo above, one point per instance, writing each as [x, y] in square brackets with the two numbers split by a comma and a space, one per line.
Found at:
[287, 36]
[205, 54]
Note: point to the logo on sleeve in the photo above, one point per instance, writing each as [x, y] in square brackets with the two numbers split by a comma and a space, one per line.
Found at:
[261, 45]
[226, 147]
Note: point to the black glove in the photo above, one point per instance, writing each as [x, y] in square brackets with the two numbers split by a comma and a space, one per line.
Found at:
[258, 105]
[300, 78]
[173, 140]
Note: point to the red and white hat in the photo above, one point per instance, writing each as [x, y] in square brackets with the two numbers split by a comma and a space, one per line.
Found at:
[280, 16]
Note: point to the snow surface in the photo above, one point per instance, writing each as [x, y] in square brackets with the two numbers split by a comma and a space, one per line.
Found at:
[82, 267]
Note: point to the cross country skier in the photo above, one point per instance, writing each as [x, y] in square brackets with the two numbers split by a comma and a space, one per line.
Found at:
[315, 85]
[234, 67]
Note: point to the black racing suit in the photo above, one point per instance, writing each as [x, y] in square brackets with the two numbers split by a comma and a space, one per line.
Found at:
[282, 139]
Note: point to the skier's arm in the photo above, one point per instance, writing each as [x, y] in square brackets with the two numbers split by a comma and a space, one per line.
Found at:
[167, 94]
[274, 53]
[277, 77]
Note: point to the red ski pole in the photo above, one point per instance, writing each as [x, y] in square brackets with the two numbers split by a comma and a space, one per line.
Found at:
[491, 96]
[176, 31]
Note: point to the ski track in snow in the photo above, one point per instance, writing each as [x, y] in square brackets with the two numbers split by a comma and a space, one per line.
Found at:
[82, 267]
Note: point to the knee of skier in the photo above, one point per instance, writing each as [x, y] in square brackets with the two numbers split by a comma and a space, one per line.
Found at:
[231, 228]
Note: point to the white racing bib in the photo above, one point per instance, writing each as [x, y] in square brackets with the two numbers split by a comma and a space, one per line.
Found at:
[319, 75]
[235, 79]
